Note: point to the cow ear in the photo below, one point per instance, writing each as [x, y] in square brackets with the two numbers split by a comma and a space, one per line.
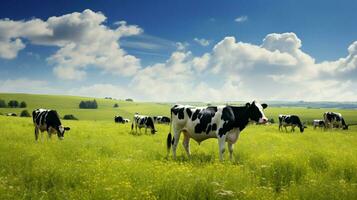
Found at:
[264, 105]
[247, 104]
[67, 128]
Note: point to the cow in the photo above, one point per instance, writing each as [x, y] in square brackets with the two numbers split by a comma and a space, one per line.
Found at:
[222, 122]
[333, 119]
[162, 119]
[126, 120]
[11, 114]
[318, 123]
[290, 120]
[119, 119]
[142, 121]
[48, 120]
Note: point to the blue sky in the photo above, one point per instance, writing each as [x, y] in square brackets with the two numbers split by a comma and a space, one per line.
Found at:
[181, 50]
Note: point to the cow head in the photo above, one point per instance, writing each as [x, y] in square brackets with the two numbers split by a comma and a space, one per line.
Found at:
[255, 112]
[345, 127]
[61, 130]
[302, 128]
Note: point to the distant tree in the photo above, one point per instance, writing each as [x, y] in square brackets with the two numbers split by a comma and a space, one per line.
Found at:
[116, 105]
[88, 104]
[129, 100]
[70, 117]
[13, 104]
[25, 113]
[2, 103]
[23, 104]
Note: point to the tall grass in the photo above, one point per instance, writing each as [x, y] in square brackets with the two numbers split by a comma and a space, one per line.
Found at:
[103, 160]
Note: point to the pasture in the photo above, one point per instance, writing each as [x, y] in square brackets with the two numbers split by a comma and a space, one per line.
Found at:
[99, 159]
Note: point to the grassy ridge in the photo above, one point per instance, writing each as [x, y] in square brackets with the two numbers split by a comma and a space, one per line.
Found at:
[69, 105]
[102, 160]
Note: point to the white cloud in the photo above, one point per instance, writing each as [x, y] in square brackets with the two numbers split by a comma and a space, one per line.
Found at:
[276, 69]
[202, 41]
[83, 41]
[241, 19]
[182, 46]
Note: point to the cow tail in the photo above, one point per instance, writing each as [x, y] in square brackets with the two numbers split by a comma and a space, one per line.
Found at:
[169, 136]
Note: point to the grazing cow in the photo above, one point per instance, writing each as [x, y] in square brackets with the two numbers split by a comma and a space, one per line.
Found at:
[11, 114]
[290, 120]
[119, 119]
[222, 122]
[162, 119]
[333, 119]
[48, 120]
[142, 121]
[318, 123]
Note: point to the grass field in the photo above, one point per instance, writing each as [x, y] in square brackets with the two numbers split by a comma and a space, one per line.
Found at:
[103, 160]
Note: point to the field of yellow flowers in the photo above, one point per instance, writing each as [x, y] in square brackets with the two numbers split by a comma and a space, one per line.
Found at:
[103, 160]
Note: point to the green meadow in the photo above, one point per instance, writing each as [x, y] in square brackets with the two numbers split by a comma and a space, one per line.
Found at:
[99, 159]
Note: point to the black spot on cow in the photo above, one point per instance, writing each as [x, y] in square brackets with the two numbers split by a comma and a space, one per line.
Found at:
[174, 110]
[195, 114]
[181, 113]
[205, 116]
[214, 127]
[189, 112]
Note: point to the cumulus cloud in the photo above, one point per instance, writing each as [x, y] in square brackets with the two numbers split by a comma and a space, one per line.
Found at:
[202, 41]
[241, 19]
[234, 70]
[83, 41]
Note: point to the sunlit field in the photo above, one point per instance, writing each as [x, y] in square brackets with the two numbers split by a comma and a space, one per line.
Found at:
[99, 159]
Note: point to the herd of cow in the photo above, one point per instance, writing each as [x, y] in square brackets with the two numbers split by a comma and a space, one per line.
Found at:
[199, 123]
[330, 120]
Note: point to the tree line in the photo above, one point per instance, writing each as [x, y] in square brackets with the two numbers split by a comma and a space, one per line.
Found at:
[12, 104]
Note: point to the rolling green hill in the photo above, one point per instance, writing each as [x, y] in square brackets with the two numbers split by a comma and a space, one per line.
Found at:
[69, 105]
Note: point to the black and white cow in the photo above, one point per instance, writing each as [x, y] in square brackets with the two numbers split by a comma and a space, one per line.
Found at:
[334, 120]
[290, 120]
[222, 122]
[162, 119]
[11, 114]
[318, 123]
[142, 121]
[126, 120]
[48, 120]
[119, 119]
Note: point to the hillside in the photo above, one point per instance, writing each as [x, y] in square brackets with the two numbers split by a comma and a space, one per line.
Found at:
[69, 105]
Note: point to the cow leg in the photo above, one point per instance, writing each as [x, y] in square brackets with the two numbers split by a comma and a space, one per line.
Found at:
[286, 130]
[176, 139]
[36, 134]
[221, 146]
[186, 144]
[230, 148]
